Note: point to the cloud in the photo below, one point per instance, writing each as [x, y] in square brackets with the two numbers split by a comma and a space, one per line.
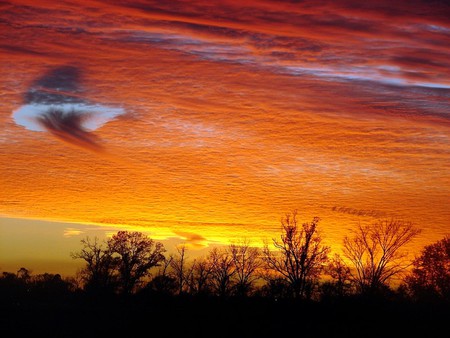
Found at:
[193, 240]
[68, 127]
[214, 139]
[56, 86]
[359, 212]
[307, 36]
[70, 232]
[54, 104]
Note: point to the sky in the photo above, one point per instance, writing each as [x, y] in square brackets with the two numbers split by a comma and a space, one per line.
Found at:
[205, 122]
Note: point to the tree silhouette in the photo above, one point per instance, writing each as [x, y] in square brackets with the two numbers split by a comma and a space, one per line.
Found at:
[162, 285]
[178, 265]
[430, 276]
[301, 255]
[221, 271]
[23, 274]
[134, 254]
[198, 277]
[276, 288]
[376, 255]
[98, 274]
[246, 260]
[341, 284]
[49, 285]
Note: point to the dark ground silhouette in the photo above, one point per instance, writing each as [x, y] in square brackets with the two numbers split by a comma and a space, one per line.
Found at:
[80, 315]
[110, 305]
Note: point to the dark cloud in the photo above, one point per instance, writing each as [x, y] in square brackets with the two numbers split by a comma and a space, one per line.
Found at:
[19, 50]
[415, 61]
[56, 86]
[359, 212]
[54, 103]
[68, 127]
[61, 86]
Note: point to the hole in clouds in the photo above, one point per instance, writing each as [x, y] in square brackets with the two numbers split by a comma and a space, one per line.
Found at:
[90, 117]
[54, 104]
[72, 123]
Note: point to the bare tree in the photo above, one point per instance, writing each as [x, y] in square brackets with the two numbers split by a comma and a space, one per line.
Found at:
[375, 252]
[162, 283]
[301, 256]
[341, 283]
[164, 265]
[178, 265]
[221, 269]
[98, 274]
[198, 277]
[246, 260]
[135, 254]
[430, 276]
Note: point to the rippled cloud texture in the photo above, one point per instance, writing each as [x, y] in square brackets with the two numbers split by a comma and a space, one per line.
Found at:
[236, 113]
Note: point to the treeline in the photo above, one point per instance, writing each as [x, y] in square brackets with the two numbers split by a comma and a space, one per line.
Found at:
[297, 265]
[129, 287]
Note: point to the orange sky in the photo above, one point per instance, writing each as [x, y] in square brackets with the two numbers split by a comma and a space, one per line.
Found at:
[227, 116]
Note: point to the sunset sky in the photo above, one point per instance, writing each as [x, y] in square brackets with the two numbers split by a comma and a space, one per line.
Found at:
[204, 122]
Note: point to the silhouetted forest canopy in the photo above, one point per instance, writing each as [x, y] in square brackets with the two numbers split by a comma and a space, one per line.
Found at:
[129, 284]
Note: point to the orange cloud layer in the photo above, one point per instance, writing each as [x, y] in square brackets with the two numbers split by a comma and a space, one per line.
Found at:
[236, 114]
